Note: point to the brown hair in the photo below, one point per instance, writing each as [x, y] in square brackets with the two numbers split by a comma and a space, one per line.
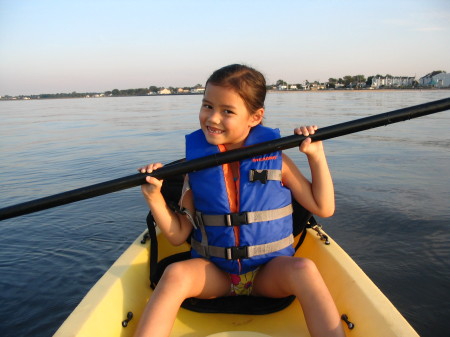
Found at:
[248, 83]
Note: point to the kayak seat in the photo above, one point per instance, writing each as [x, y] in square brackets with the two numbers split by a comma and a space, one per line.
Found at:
[251, 305]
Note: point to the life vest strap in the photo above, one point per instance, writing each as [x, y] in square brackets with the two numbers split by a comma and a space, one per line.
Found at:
[264, 175]
[243, 218]
[241, 252]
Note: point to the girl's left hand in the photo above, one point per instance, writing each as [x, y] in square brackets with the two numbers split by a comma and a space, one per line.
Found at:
[307, 146]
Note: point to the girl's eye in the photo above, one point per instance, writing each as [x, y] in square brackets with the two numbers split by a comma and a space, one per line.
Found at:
[207, 106]
[229, 112]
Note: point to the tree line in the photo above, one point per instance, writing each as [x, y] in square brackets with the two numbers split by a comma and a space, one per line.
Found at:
[348, 81]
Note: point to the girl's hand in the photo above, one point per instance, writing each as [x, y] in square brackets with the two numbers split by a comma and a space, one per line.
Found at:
[154, 185]
[307, 146]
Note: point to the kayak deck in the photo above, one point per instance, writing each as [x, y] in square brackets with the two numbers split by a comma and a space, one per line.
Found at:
[125, 288]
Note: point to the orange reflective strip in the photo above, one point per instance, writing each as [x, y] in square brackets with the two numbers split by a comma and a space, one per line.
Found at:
[230, 184]
[232, 187]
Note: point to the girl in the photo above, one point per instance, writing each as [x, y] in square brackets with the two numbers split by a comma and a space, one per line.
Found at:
[260, 188]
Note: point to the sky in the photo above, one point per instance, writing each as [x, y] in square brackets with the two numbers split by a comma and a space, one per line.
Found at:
[63, 46]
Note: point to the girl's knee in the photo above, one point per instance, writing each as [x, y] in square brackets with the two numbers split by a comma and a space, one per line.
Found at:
[175, 273]
[303, 263]
[302, 266]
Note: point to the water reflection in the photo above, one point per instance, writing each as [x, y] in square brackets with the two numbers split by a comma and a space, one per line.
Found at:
[392, 192]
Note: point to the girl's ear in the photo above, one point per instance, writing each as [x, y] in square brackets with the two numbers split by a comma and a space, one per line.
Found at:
[257, 117]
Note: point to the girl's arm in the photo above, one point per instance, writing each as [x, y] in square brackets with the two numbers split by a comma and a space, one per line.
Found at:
[175, 227]
[316, 196]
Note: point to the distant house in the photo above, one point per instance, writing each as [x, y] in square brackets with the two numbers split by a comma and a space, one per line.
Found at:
[164, 91]
[317, 86]
[441, 80]
[198, 90]
[426, 80]
[392, 81]
[293, 87]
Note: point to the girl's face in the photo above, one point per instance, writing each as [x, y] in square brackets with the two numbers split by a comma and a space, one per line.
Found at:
[224, 118]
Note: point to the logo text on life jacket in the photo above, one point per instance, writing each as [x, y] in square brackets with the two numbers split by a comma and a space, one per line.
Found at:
[264, 158]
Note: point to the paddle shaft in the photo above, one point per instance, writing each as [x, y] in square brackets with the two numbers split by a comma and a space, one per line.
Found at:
[182, 167]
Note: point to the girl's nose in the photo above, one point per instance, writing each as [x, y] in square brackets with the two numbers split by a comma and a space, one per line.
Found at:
[214, 117]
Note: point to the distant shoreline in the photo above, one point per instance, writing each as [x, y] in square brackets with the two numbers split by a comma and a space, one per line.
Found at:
[361, 90]
[358, 90]
[101, 95]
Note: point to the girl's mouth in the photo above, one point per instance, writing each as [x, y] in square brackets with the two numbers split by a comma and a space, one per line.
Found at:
[214, 130]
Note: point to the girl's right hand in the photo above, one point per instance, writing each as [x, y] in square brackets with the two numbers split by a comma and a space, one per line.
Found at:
[154, 185]
[307, 147]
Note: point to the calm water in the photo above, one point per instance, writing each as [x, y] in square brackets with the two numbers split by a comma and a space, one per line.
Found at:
[392, 192]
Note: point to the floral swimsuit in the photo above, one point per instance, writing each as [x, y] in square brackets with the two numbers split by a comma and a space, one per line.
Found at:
[242, 284]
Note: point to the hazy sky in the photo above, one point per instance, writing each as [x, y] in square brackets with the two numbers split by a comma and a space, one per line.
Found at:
[64, 46]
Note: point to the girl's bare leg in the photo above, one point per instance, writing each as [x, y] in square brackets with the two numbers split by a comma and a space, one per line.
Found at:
[286, 275]
[191, 278]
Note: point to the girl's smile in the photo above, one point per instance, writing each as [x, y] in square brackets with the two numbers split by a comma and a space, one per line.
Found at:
[214, 130]
[224, 118]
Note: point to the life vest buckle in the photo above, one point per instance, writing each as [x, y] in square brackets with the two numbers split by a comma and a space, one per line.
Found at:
[236, 253]
[261, 175]
[236, 219]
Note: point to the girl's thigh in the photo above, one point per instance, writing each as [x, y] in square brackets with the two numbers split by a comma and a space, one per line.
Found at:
[202, 278]
[284, 276]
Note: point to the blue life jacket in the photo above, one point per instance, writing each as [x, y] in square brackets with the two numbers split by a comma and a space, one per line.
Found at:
[261, 228]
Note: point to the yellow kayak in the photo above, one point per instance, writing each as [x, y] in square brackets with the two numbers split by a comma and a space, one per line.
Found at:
[125, 288]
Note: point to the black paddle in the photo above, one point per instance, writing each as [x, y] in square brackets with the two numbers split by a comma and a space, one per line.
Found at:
[224, 157]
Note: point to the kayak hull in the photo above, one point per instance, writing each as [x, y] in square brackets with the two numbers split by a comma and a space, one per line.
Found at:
[125, 288]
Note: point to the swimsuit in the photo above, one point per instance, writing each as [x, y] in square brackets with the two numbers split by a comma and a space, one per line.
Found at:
[242, 284]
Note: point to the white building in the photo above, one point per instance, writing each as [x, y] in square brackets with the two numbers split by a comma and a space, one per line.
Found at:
[392, 81]
[198, 90]
[441, 80]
